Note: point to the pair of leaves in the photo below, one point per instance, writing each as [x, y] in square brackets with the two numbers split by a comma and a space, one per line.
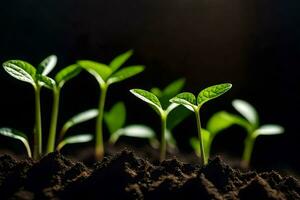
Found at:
[115, 120]
[109, 74]
[189, 100]
[250, 119]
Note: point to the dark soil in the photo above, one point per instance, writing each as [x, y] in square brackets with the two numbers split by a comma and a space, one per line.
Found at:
[125, 176]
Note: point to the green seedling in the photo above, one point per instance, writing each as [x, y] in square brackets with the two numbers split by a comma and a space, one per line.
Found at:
[74, 140]
[105, 76]
[15, 134]
[115, 120]
[250, 121]
[215, 125]
[189, 101]
[176, 116]
[154, 102]
[24, 71]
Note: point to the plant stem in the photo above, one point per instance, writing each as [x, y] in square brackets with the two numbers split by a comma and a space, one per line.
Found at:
[53, 123]
[203, 156]
[99, 149]
[38, 125]
[249, 143]
[163, 137]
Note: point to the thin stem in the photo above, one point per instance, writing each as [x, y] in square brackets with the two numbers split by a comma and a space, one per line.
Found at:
[163, 137]
[249, 143]
[54, 118]
[38, 125]
[99, 149]
[203, 156]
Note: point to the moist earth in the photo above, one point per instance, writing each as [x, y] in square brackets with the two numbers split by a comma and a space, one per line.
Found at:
[125, 176]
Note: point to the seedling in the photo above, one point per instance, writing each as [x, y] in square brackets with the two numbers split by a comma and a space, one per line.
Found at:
[250, 121]
[215, 125]
[107, 75]
[15, 134]
[115, 120]
[190, 102]
[154, 102]
[24, 71]
[176, 116]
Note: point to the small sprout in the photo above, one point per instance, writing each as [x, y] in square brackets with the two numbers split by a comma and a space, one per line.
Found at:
[115, 120]
[250, 122]
[8, 132]
[24, 71]
[154, 102]
[190, 102]
[74, 140]
[77, 119]
[105, 76]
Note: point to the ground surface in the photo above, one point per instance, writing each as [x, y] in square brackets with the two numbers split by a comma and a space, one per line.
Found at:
[125, 176]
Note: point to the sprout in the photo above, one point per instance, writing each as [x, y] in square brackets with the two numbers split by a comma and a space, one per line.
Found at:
[107, 75]
[250, 122]
[15, 134]
[190, 102]
[115, 121]
[154, 102]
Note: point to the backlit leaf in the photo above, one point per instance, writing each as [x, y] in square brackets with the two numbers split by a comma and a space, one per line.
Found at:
[247, 111]
[212, 92]
[100, 71]
[269, 129]
[117, 62]
[20, 70]
[75, 140]
[186, 99]
[125, 73]
[46, 66]
[66, 74]
[148, 97]
[45, 81]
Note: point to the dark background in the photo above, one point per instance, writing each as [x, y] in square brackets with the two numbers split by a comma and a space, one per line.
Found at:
[254, 44]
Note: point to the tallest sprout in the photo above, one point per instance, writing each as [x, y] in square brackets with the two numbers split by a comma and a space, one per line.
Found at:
[105, 76]
[189, 101]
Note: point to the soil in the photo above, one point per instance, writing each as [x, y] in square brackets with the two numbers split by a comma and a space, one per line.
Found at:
[125, 176]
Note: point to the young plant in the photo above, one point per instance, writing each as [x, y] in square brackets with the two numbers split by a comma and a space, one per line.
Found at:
[24, 71]
[56, 85]
[15, 134]
[107, 75]
[175, 117]
[190, 102]
[154, 102]
[250, 121]
[115, 120]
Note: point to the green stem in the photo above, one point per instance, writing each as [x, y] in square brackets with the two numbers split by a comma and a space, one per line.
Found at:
[163, 137]
[203, 156]
[249, 143]
[53, 123]
[38, 125]
[99, 149]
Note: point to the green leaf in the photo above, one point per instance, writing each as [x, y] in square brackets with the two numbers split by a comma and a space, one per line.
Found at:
[125, 73]
[149, 98]
[177, 116]
[47, 65]
[186, 99]
[212, 92]
[269, 129]
[136, 130]
[117, 62]
[174, 88]
[46, 81]
[195, 143]
[247, 111]
[77, 119]
[100, 71]
[20, 70]
[75, 140]
[156, 91]
[66, 74]
[115, 118]
[15, 134]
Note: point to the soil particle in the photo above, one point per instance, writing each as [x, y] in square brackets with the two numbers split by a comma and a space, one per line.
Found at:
[125, 176]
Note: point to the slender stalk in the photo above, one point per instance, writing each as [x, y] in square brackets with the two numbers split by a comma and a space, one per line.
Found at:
[53, 123]
[38, 125]
[249, 143]
[163, 137]
[99, 149]
[203, 156]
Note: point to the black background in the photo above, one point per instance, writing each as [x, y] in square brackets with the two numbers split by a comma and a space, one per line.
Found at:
[253, 44]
